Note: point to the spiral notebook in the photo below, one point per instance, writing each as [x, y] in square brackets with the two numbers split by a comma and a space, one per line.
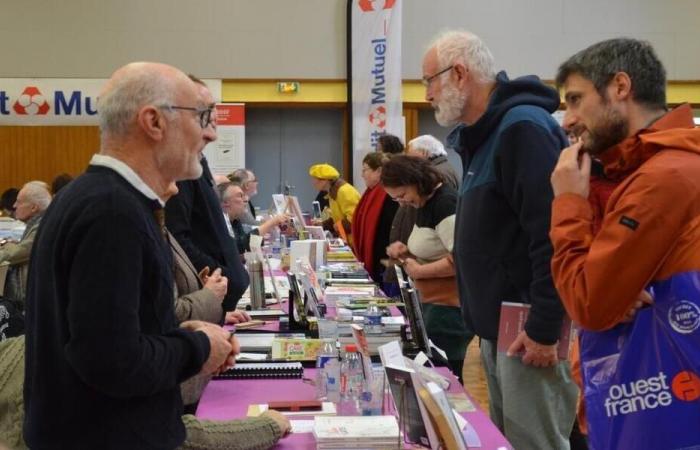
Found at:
[263, 370]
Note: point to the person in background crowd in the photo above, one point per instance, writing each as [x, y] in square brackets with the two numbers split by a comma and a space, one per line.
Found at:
[342, 196]
[60, 182]
[100, 303]
[372, 219]
[426, 257]
[32, 201]
[194, 216]
[616, 111]
[388, 143]
[234, 204]
[509, 144]
[249, 183]
[7, 202]
[429, 148]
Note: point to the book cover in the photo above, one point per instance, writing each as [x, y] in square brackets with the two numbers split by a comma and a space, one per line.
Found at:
[296, 349]
[440, 412]
[512, 322]
[415, 422]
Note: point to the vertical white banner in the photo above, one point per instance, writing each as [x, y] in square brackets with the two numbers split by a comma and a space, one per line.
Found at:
[376, 77]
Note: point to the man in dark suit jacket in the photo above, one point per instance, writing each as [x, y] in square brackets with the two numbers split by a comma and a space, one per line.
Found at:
[194, 216]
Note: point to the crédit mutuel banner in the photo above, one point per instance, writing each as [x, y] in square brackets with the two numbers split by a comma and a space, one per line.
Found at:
[56, 101]
[376, 76]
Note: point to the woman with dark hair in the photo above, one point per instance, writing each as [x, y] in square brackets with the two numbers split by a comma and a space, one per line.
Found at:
[7, 202]
[427, 258]
[60, 182]
[372, 219]
[388, 143]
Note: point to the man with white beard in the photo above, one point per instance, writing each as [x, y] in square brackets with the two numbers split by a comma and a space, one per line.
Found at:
[509, 144]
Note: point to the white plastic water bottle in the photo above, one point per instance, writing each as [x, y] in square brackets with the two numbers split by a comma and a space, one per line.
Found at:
[351, 381]
[373, 319]
[327, 354]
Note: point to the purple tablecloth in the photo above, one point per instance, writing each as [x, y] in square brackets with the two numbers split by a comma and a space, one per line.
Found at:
[229, 399]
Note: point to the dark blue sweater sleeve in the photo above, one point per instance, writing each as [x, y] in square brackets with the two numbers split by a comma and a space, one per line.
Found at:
[526, 155]
[109, 288]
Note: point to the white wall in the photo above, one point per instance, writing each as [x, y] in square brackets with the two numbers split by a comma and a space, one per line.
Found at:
[306, 38]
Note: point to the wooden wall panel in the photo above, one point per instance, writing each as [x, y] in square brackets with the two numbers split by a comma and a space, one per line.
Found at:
[41, 153]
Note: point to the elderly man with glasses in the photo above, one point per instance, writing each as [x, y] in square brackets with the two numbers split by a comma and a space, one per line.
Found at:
[194, 216]
[104, 354]
[509, 143]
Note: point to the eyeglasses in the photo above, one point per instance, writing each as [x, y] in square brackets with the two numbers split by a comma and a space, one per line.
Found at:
[206, 115]
[427, 80]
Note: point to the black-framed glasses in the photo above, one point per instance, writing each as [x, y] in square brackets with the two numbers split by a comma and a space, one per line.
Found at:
[427, 80]
[205, 114]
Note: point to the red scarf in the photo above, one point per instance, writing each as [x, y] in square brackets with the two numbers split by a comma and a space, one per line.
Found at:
[365, 221]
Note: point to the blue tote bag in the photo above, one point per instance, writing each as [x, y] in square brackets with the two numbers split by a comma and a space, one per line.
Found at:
[642, 379]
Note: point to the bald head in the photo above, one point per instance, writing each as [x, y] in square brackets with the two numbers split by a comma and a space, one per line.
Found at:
[133, 87]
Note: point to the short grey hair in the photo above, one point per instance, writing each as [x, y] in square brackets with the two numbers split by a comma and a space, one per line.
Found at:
[600, 62]
[463, 47]
[241, 177]
[428, 144]
[118, 107]
[37, 193]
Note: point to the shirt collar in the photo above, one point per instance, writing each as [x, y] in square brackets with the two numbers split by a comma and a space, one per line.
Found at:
[127, 173]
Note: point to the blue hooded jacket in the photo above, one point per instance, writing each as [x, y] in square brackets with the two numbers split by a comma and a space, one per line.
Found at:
[502, 249]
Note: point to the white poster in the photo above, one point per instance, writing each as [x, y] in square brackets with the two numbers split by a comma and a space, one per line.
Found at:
[376, 76]
[227, 153]
[56, 101]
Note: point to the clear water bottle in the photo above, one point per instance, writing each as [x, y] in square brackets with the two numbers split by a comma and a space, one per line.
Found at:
[276, 241]
[351, 381]
[373, 319]
[327, 354]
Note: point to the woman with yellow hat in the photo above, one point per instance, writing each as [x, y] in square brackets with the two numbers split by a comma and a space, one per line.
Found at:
[342, 196]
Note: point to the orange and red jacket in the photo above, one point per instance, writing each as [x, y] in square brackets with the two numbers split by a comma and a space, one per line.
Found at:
[650, 229]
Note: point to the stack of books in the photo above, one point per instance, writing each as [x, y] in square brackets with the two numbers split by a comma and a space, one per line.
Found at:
[366, 432]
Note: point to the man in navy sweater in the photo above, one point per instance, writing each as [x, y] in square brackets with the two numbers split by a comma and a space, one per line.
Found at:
[194, 216]
[104, 354]
[509, 144]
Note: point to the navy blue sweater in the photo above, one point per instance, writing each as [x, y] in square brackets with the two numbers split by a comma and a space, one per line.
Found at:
[194, 216]
[502, 250]
[104, 356]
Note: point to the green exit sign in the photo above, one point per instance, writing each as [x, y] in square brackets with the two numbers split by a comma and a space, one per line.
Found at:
[288, 87]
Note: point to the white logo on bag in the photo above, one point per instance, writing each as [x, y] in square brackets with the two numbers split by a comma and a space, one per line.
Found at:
[639, 395]
[684, 317]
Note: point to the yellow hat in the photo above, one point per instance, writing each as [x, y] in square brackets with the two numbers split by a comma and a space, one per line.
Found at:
[324, 172]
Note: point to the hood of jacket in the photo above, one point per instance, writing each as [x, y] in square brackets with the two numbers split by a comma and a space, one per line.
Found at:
[527, 90]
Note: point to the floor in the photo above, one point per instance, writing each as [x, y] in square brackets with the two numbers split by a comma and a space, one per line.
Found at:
[473, 376]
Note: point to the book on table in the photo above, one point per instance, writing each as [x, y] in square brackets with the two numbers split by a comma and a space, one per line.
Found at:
[366, 432]
[263, 370]
[442, 417]
[404, 384]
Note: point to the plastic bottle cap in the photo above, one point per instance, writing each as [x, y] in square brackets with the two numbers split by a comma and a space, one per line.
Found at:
[352, 348]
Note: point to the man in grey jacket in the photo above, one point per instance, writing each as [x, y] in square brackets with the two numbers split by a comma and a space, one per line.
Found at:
[32, 201]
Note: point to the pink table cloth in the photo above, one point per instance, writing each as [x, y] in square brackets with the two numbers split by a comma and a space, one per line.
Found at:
[229, 399]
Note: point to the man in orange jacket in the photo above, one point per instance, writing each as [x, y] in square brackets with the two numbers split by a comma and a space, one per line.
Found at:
[616, 106]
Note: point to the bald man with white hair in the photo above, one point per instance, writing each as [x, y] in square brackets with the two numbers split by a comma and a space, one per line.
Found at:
[104, 354]
[32, 201]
